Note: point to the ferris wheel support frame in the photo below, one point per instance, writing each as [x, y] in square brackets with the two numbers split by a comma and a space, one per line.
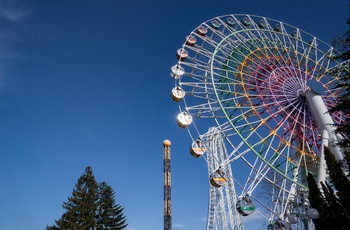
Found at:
[321, 172]
[222, 213]
[326, 126]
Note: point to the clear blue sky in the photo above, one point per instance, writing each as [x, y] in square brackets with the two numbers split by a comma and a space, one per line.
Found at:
[86, 82]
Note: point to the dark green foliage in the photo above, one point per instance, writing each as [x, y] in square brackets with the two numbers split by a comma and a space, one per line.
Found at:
[318, 201]
[91, 207]
[335, 212]
[333, 203]
[81, 206]
[338, 179]
[110, 215]
[343, 105]
[342, 44]
[52, 228]
[346, 161]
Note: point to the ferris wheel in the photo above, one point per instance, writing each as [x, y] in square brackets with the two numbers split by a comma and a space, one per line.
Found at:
[266, 87]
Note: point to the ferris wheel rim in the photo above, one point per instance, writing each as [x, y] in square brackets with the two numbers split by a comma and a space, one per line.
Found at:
[246, 30]
[263, 17]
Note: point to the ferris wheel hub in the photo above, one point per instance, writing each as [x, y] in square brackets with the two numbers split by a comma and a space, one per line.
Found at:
[316, 86]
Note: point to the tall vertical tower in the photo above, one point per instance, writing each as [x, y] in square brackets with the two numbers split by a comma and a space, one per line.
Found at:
[167, 185]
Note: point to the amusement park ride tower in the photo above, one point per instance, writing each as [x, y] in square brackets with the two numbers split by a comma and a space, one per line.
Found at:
[167, 185]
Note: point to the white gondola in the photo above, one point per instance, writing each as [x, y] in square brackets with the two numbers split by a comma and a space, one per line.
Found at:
[245, 206]
[277, 28]
[313, 43]
[202, 30]
[197, 148]
[312, 213]
[177, 94]
[218, 178]
[190, 40]
[215, 24]
[230, 21]
[181, 54]
[246, 22]
[262, 24]
[177, 71]
[293, 218]
[295, 35]
[184, 119]
[279, 225]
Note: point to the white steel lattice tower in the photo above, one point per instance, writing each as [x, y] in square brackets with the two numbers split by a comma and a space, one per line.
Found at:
[222, 214]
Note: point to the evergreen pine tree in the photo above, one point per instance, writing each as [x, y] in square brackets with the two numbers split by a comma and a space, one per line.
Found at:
[91, 207]
[318, 202]
[110, 215]
[333, 203]
[339, 180]
[52, 228]
[82, 205]
[342, 44]
[335, 213]
[80, 209]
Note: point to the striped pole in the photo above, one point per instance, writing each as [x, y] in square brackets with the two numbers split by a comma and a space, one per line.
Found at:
[167, 185]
